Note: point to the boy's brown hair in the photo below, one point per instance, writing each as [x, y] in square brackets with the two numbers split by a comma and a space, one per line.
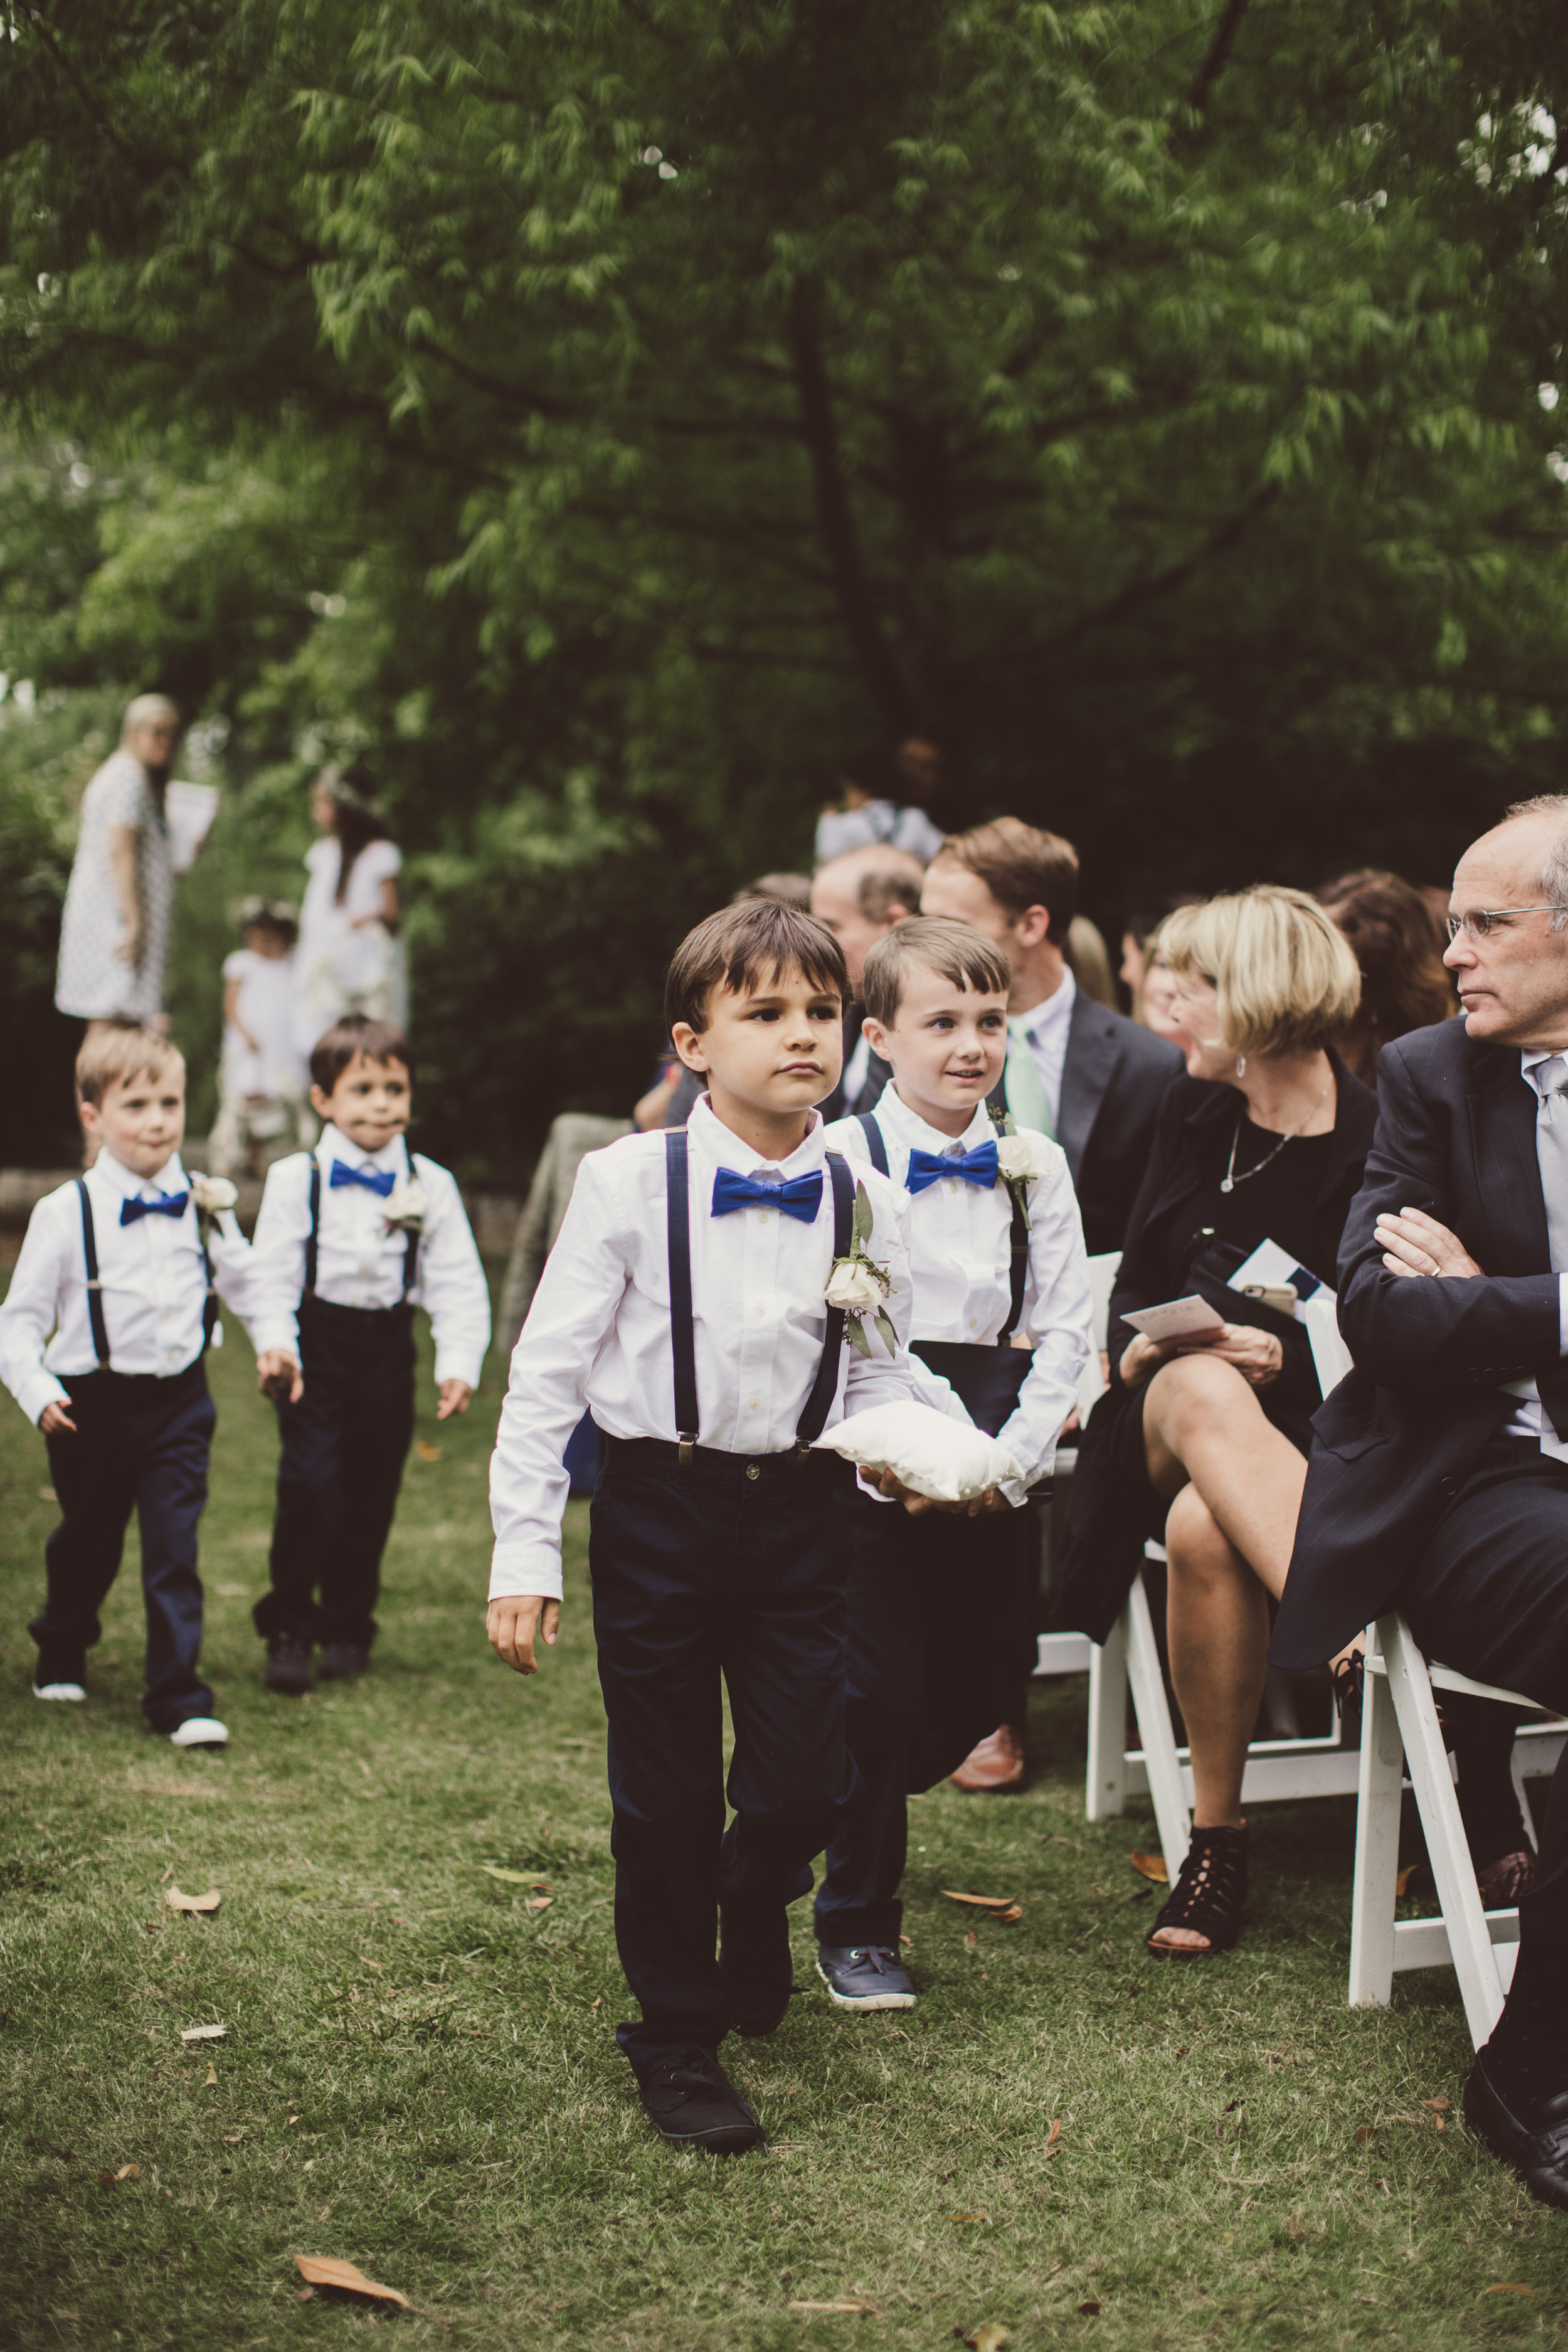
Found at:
[745, 949]
[1021, 867]
[118, 1052]
[350, 1036]
[957, 950]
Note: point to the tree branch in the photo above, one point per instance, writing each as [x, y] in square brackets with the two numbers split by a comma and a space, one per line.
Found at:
[1161, 584]
[1217, 55]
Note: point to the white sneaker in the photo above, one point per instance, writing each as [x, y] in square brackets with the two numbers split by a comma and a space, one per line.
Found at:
[200, 1731]
[73, 1692]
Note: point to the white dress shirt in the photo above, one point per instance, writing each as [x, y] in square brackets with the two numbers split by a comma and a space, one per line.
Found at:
[961, 1257]
[598, 1330]
[153, 1277]
[1530, 1419]
[1046, 1027]
[360, 1258]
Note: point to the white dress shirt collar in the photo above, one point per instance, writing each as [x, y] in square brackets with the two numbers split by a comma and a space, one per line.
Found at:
[170, 1176]
[721, 1147]
[335, 1145]
[907, 1127]
[1055, 1012]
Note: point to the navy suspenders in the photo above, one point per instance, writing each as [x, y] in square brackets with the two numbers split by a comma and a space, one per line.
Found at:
[95, 1288]
[877, 1146]
[682, 1335]
[410, 1254]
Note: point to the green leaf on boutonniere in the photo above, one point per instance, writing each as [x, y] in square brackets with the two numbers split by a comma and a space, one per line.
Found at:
[857, 1336]
[889, 1337]
[860, 1223]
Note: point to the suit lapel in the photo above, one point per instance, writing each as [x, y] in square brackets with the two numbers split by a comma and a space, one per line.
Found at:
[1091, 1058]
[1500, 1103]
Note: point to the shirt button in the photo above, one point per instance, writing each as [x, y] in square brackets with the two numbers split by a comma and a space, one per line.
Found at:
[973, 1321]
[754, 1403]
[751, 1470]
[759, 1308]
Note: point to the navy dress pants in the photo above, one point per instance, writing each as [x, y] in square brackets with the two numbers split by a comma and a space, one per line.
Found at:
[141, 1444]
[730, 1571]
[940, 1612]
[343, 1448]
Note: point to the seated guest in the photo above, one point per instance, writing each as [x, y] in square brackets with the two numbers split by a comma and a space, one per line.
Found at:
[1402, 983]
[1201, 1443]
[861, 897]
[1438, 1481]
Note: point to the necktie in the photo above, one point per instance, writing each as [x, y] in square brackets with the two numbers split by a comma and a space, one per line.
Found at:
[1551, 1156]
[976, 1167]
[165, 1204]
[1026, 1088]
[799, 1196]
[374, 1180]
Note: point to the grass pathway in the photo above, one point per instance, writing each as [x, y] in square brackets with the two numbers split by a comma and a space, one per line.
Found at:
[418, 2071]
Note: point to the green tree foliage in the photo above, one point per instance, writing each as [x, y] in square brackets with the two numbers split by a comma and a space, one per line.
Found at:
[606, 413]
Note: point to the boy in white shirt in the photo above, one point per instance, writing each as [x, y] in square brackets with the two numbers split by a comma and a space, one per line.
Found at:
[353, 1237]
[261, 1085]
[122, 1264]
[686, 1302]
[941, 1607]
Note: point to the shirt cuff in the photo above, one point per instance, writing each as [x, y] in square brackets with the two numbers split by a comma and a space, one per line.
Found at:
[38, 1391]
[522, 1572]
[453, 1364]
[280, 1332]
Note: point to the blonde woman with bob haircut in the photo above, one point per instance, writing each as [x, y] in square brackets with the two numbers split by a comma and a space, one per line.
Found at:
[1201, 1443]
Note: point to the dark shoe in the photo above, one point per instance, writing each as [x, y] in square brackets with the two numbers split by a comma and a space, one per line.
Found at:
[1207, 1898]
[1504, 1882]
[287, 1667]
[758, 1971]
[865, 1975]
[1349, 1679]
[341, 1661]
[61, 1674]
[691, 2102]
[1534, 2143]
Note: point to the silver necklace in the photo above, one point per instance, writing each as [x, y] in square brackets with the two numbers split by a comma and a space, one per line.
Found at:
[1230, 1179]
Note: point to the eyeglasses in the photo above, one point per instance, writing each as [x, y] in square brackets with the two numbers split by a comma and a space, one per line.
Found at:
[1478, 925]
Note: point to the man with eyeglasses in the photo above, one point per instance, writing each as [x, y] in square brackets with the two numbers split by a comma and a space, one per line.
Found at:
[1438, 1479]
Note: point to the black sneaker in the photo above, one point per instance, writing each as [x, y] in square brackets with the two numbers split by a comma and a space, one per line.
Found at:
[287, 1667]
[691, 2102]
[61, 1674]
[341, 1661]
[865, 1975]
[758, 1971]
[1529, 2134]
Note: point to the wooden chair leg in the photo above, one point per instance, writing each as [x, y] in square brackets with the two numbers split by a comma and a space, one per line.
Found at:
[1105, 1782]
[1154, 1726]
[1376, 1848]
[1469, 1938]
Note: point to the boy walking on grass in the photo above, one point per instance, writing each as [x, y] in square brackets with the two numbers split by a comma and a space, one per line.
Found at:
[686, 1302]
[125, 1264]
[353, 1237]
[941, 1606]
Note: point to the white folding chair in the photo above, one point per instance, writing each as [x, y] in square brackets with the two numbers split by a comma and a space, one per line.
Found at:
[1073, 1654]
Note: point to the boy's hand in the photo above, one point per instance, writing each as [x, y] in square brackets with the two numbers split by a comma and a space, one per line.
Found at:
[887, 1484]
[54, 1418]
[280, 1375]
[511, 1624]
[455, 1395]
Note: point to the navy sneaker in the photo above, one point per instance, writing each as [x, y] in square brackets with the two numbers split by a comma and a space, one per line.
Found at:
[865, 1975]
[691, 2102]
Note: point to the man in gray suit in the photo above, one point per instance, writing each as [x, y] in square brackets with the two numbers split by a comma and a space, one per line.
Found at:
[1089, 1076]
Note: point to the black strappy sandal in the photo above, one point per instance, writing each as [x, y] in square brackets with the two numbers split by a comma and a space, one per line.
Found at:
[1348, 1678]
[1208, 1896]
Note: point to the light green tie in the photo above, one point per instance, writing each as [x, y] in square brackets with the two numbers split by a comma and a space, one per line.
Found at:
[1026, 1089]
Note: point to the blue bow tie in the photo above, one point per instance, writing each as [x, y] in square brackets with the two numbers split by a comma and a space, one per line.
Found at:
[374, 1180]
[167, 1204]
[799, 1196]
[976, 1167]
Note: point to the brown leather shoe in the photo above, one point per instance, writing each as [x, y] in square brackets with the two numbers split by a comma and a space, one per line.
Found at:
[994, 1768]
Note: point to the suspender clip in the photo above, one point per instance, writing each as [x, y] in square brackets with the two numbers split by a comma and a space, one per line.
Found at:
[684, 1447]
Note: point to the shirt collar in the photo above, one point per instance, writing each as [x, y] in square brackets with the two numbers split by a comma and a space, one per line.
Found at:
[170, 1176]
[721, 1147]
[909, 1129]
[1055, 1011]
[335, 1145]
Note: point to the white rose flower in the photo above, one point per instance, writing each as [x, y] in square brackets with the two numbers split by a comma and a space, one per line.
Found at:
[213, 1194]
[1026, 1156]
[853, 1286]
[406, 1203]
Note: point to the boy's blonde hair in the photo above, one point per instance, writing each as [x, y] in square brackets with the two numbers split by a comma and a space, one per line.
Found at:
[959, 954]
[1285, 974]
[119, 1052]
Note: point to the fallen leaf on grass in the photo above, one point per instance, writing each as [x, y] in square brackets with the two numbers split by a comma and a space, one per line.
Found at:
[1439, 2103]
[428, 1452]
[539, 1902]
[202, 2033]
[982, 1902]
[126, 2172]
[1055, 2134]
[212, 2075]
[972, 1939]
[1401, 1884]
[202, 1904]
[1504, 2287]
[231, 2139]
[988, 2337]
[845, 2304]
[324, 2270]
[1151, 1865]
[1366, 2132]
[966, 2217]
[514, 1877]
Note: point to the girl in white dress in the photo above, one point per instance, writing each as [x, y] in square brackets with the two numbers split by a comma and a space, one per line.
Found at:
[114, 934]
[350, 957]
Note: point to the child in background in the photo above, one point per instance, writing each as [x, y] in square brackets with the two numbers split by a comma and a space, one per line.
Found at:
[261, 1087]
[351, 1239]
[122, 1263]
[940, 1605]
[688, 1302]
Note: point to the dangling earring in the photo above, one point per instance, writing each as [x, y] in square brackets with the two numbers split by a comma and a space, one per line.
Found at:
[1241, 1065]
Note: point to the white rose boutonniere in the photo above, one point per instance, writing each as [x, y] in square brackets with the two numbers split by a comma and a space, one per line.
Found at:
[214, 1196]
[406, 1206]
[858, 1285]
[1021, 1161]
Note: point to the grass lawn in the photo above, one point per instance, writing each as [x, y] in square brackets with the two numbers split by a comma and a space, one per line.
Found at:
[418, 2071]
